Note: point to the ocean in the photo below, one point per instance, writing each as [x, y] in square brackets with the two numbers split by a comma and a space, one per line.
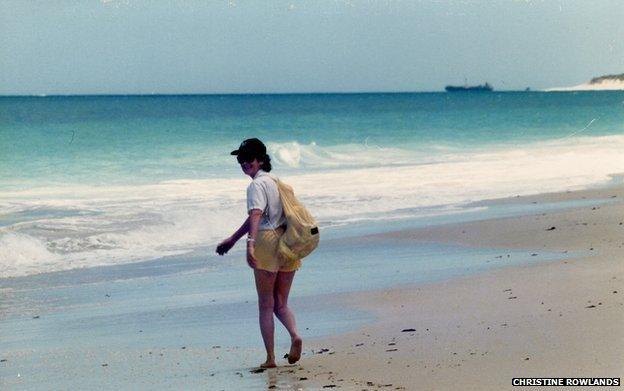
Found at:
[90, 181]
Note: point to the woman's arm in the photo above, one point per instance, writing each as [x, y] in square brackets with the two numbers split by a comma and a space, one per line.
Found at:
[250, 226]
[241, 231]
[228, 243]
[254, 223]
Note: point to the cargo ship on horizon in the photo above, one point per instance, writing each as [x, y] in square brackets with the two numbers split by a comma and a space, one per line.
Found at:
[480, 88]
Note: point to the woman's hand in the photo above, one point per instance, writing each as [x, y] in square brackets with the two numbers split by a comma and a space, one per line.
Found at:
[251, 260]
[225, 246]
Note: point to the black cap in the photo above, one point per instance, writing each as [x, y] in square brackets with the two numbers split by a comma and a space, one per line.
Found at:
[251, 147]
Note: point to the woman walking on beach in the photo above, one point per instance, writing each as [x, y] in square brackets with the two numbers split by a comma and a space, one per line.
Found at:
[264, 226]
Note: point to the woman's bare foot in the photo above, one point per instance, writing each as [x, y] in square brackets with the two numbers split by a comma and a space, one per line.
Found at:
[295, 350]
[269, 363]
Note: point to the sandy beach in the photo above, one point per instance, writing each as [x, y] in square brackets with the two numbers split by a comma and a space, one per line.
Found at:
[537, 293]
[553, 319]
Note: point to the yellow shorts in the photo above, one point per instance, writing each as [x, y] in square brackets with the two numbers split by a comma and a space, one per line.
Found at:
[265, 252]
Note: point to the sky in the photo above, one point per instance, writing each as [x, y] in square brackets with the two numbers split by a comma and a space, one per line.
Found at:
[209, 46]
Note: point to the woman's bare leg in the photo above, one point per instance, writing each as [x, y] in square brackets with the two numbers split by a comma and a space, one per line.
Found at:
[265, 284]
[285, 315]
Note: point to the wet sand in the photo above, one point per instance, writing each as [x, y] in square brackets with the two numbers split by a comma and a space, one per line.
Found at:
[553, 319]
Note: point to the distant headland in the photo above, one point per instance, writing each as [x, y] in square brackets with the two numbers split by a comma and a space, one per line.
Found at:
[606, 82]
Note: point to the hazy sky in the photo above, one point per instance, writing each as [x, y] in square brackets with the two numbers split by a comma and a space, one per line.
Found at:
[203, 46]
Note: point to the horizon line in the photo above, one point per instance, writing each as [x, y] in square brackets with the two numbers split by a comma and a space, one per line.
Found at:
[239, 93]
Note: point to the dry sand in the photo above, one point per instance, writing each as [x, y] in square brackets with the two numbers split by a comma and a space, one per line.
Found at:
[554, 319]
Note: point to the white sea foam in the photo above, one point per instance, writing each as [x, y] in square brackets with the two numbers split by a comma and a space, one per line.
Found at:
[296, 155]
[111, 225]
[24, 254]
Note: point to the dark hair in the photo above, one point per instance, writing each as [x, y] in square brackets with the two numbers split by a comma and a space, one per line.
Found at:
[266, 163]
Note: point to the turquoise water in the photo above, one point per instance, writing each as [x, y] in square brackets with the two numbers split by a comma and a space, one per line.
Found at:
[124, 139]
[104, 180]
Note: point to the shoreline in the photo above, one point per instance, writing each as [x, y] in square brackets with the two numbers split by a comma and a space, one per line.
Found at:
[585, 195]
[550, 319]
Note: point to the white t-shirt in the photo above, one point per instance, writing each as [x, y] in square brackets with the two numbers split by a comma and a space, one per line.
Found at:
[262, 194]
